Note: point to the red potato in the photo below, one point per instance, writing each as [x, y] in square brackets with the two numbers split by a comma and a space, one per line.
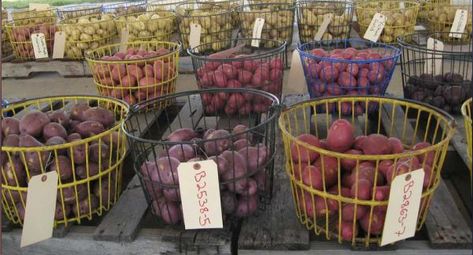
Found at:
[220, 141]
[247, 205]
[396, 145]
[13, 172]
[207, 133]
[128, 81]
[239, 186]
[212, 65]
[375, 77]
[89, 128]
[10, 125]
[69, 194]
[340, 136]
[222, 164]
[427, 177]
[321, 53]
[148, 71]
[182, 152]
[229, 71]
[325, 206]
[207, 80]
[161, 70]
[376, 224]
[59, 116]
[220, 80]
[313, 70]
[302, 154]
[217, 103]
[118, 71]
[245, 109]
[237, 165]
[99, 153]
[256, 157]
[347, 231]
[427, 157]
[402, 166]
[12, 140]
[77, 111]
[381, 193]
[240, 132]
[181, 135]
[172, 194]
[82, 171]
[240, 144]
[229, 202]
[384, 165]
[245, 77]
[63, 166]
[275, 75]
[233, 84]
[362, 189]
[312, 176]
[169, 212]
[348, 212]
[329, 168]
[376, 144]
[166, 171]
[249, 65]
[345, 192]
[33, 123]
[130, 99]
[54, 129]
[35, 161]
[349, 164]
[276, 63]
[135, 71]
[236, 100]
[328, 74]
[346, 80]
[359, 140]
[333, 89]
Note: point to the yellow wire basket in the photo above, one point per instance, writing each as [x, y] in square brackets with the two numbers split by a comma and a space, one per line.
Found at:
[124, 8]
[425, 6]
[20, 31]
[440, 19]
[215, 20]
[164, 5]
[152, 74]
[87, 33]
[7, 50]
[77, 11]
[146, 26]
[327, 185]
[400, 21]
[91, 187]
[466, 112]
[29, 17]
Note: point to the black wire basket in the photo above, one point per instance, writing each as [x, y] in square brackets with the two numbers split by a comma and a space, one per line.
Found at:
[242, 145]
[278, 20]
[245, 67]
[441, 78]
[311, 15]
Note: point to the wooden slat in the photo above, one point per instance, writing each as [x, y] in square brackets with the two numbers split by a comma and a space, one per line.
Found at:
[459, 140]
[276, 228]
[445, 224]
[64, 68]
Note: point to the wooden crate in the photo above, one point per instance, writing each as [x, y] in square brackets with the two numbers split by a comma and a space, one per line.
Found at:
[130, 229]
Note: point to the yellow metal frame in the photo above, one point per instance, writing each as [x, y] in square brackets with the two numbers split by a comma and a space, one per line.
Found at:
[297, 120]
[113, 172]
[466, 112]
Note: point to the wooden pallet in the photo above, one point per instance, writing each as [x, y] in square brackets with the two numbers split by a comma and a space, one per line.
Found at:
[63, 68]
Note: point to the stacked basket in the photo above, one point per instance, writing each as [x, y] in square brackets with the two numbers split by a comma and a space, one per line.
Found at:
[77, 11]
[440, 20]
[124, 8]
[145, 26]
[79, 137]
[136, 73]
[6, 46]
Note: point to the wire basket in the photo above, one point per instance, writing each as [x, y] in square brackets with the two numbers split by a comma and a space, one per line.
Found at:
[87, 33]
[249, 67]
[440, 19]
[466, 112]
[7, 49]
[400, 20]
[216, 22]
[143, 71]
[347, 67]
[77, 11]
[164, 5]
[20, 36]
[23, 17]
[327, 185]
[278, 20]
[310, 15]
[439, 78]
[245, 180]
[145, 26]
[425, 7]
[89, 169]
[124, 8]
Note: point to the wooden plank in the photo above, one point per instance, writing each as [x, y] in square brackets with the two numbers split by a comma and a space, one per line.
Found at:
[276, 228]
[459, 140]
[64, 68]
[445, 225]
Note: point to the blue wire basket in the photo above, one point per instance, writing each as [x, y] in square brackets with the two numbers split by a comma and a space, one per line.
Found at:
[347, 67]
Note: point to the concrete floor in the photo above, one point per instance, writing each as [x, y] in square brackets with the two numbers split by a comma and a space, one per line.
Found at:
[49, 84]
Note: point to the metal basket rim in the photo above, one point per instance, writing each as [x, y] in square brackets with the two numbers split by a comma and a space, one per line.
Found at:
[135, 109]
[272, 51]
[401, 40]
[464, 110]
[299, 3]
[215, 4]
[448, 118]
[290, 6]
[397, 51]
[173, 14]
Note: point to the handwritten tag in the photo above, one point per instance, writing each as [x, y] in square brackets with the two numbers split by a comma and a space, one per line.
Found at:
[257, 29]
[375, 28]
[402, 5]
[323, 27]
[459, 23]
[403, 207]
[194, 36]
[38, 7]
[59, 44]
[296, 77]
[434, 59]
[124, 36]
[200, 193]
[39, 45]
[40, 208]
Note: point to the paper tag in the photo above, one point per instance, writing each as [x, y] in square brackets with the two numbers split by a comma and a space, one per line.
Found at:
[39, 45]
[40, 208]
[257, 29]
[402, 5]
[194, 36]
[375, 28]
[200, 193]
[59, 44]
[323, 27]
[124, 39]
[433, 45]
[403, 207]
[38, 7]
[296, 77]
[459, 23]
